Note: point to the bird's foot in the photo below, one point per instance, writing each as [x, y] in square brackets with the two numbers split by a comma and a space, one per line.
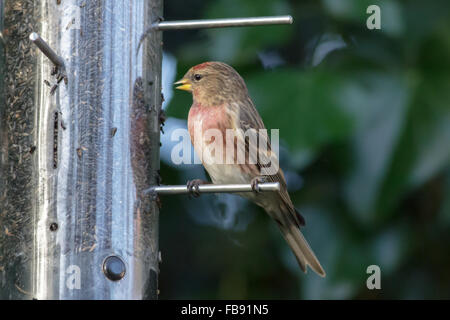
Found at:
[192, 186]
[255, 183]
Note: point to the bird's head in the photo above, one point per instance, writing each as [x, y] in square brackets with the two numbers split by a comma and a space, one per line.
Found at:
[213, 83]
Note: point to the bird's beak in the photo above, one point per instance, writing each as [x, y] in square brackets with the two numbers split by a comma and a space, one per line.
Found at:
[185, 85]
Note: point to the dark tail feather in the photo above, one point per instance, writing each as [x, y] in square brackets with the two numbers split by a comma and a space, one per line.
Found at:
[305, 256]
[300, 218]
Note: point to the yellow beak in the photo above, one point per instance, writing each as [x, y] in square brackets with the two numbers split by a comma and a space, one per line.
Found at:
[185, 85]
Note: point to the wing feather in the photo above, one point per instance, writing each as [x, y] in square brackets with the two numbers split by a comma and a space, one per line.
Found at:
[249, 118]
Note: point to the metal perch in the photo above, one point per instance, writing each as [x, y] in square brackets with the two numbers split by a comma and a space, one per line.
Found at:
[221, 23]
[214, 188]
[45, 48]
[215, 23]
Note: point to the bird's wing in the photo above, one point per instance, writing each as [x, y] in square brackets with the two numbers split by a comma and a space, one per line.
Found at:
[249, 118]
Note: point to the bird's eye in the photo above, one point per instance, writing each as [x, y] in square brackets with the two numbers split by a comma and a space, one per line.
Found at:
[197, 77]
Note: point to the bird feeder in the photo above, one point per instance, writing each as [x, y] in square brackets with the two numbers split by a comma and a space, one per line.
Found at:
[80, 104]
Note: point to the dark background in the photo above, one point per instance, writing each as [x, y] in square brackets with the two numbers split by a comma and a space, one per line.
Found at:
[364, 119]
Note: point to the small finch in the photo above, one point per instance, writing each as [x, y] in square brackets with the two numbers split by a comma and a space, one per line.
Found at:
[221, 102]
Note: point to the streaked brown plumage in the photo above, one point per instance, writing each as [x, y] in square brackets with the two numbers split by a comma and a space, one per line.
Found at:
[221, 101]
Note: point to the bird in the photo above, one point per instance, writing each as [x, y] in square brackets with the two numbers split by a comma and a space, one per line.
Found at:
[221, 103]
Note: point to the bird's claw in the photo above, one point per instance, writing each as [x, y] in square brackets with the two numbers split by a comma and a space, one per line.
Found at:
[255, 184]
[192, 186]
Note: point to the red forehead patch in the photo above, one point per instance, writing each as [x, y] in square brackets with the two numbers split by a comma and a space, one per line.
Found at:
[201, 66]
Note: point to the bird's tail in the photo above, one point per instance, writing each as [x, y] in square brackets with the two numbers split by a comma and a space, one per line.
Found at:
[305, 256]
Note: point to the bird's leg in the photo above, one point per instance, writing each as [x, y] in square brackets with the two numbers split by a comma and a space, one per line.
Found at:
[192, 186]
[54, 70]
[255, 183]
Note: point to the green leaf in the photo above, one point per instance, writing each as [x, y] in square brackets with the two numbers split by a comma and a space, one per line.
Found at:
[241, 44]
[424, 146]
[379, 103]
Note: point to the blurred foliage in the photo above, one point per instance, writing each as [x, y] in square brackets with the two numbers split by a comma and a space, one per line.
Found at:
[364, 118]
